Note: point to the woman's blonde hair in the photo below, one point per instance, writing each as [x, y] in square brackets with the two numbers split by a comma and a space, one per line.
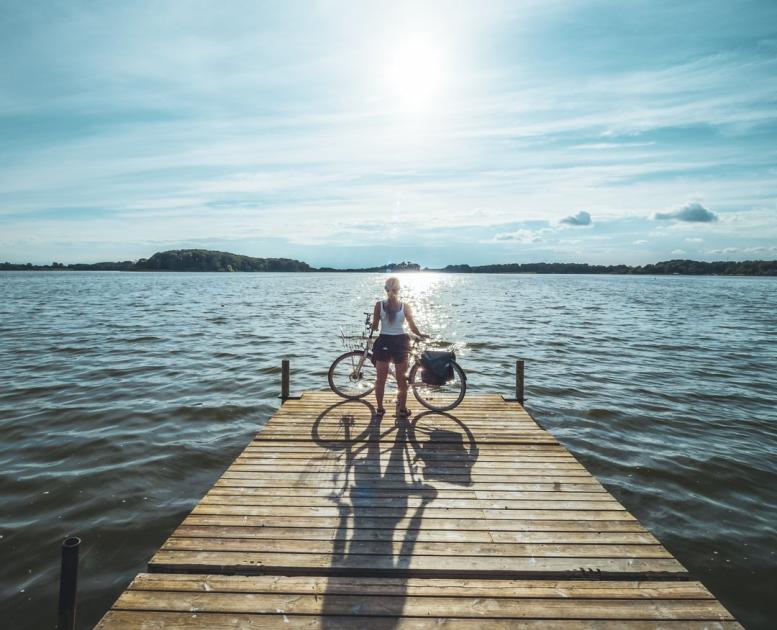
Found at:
[391, 286]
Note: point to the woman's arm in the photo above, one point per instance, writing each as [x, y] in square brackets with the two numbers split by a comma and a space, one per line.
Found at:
[411, 321]
[376, 316]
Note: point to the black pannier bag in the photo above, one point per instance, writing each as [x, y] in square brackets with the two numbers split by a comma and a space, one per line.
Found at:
[436, 367]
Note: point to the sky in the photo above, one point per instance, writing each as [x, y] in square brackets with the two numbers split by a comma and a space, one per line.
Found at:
[360, 133]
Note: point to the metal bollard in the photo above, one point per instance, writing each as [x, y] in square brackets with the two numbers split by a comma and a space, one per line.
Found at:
[68, 578]
[519, 395]
[284, 380]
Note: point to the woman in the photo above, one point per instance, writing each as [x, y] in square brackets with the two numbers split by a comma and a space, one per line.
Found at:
[393, 344]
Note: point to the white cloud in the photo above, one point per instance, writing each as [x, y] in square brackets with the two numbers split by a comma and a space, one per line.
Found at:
[519, 236]
[640, 242]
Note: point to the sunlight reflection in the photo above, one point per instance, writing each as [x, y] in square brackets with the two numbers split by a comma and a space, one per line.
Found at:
[433, 296]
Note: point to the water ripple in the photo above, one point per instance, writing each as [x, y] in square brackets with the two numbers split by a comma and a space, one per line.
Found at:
[126, 395]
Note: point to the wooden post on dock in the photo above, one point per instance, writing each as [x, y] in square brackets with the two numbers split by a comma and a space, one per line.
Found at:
[284, 380]
[519, 381]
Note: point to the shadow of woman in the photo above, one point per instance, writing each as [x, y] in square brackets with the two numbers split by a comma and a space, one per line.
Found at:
[381, 499]
[380, 509]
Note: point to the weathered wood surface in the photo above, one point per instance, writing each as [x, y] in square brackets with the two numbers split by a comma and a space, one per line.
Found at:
[334, 518]
[214, 601]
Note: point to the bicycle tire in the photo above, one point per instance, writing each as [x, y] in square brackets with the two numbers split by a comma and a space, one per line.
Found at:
[338, 442]
[368, 384]
[420, 389]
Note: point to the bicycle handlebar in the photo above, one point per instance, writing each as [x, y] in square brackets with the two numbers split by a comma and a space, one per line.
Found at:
[422, 338]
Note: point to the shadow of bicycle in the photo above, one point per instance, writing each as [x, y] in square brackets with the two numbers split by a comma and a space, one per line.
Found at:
[445, 446]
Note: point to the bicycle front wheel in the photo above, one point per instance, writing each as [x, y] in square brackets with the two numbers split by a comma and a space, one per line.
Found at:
[348, 379]
[439, 397]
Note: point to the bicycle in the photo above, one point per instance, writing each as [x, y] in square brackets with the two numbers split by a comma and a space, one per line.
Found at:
[352, 375]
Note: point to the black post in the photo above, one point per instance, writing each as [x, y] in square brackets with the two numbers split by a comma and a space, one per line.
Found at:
[284, 380]
[67, 584]
[519, 381]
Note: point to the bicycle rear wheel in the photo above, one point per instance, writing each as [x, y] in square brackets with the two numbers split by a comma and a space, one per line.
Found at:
[438, 397]
[348, 382]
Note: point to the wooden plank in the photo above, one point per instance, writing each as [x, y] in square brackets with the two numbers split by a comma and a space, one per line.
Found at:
[354, 425]
[359, 501]
[442, 465]
[470, 587]
[483, 448]
[456, 458]
[419, 606]
[513, 476]
[132, 620]
[421, 535]
[310, 444]
[430, 513]
[311, 495]
[412, 501]
[494, 490]
[507, 439]
[410, 452]
[375, 546]
[338, 457]
[247, 563]
[504, 525]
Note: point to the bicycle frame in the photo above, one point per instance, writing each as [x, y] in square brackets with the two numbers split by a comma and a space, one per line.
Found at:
[367, 346]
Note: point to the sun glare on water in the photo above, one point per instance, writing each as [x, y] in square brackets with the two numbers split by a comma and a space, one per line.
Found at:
[429, 294]
[415, 75]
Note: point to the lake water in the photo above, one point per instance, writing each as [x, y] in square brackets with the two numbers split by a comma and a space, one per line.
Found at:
[124, 396]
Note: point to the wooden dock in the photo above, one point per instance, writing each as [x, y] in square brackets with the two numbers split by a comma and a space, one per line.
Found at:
[477, 518]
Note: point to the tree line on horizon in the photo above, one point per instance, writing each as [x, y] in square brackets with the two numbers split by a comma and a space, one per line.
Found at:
[179, 260]
[207, 260]
[667, 267]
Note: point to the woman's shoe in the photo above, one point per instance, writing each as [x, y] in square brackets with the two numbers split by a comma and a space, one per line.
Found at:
[380, 412]
[404, 413]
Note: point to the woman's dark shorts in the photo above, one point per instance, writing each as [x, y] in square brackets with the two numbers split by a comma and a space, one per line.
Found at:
[391, 348]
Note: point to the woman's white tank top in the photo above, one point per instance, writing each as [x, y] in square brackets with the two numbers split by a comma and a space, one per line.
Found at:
[392, 328]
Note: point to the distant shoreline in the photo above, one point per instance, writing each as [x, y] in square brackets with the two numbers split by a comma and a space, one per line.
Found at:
[422, 271]
[199, 260]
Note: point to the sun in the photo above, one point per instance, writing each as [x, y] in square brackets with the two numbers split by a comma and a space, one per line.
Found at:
[415, 75]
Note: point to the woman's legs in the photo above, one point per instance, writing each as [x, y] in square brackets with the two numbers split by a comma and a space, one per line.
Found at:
[380, 384]
[401, 369]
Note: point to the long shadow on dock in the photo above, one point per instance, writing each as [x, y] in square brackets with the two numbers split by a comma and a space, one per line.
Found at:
[374, 498]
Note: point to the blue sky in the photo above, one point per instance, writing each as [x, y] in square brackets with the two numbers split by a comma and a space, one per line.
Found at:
[355, 133]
